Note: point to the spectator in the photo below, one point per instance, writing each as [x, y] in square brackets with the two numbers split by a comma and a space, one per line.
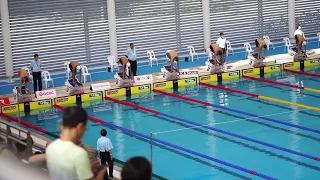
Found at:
[36, 73]
[137, 168]
[4, 150]
[104, 148]
[65, 158]
[131, 54]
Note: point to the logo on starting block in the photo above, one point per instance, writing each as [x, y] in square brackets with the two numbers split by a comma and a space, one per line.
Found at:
[143, 78]
[101, 86]
[189, 80]
[144, 87]
[46, 93]
[94, 95]
[236, 73]
[188, 73]
[40, 103]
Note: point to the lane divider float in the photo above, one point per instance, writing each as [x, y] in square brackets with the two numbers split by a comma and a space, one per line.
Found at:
[260, 96]
[303, 73]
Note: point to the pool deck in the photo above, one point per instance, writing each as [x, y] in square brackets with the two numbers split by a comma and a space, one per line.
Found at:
[157, 77]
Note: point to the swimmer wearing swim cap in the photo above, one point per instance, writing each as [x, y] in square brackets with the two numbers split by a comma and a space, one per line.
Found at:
[124, 61]
[74, 66]
[217, 51]
[260, 44]
[173, 56]
[24, 79]
[300, 38]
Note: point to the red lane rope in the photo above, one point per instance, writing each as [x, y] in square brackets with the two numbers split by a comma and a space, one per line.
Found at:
[23, 123]
[303, 73]
[131, 105]
[228, 89]
[272, 82]
[182, 97]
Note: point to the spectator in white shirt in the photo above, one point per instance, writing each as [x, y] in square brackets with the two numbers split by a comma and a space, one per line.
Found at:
[131, 54]
[104, 148]
[65, 158]
[300, 38]
[221, 41]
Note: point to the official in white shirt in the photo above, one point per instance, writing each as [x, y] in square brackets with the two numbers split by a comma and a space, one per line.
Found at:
[131, 54]
[36, 73]
[104, 148]
[300, 38]
[221, 41]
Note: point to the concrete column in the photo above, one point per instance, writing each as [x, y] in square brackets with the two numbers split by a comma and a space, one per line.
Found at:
[291, 18]
[206, 23]
[112, 28]
[6, 39]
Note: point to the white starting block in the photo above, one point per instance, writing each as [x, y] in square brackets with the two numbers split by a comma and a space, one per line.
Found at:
[254, 61]
[25, 96]
[122, 82]
[211, 68]
[167, 74]
[72, 88]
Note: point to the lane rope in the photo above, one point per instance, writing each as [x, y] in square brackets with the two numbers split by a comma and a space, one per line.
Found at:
[281, 84]
[237, 111]
[172, 145]
[213, 129]
[303, 73]
[261, 97]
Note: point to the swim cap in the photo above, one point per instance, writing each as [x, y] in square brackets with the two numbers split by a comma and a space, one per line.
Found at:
[78, 67]
[128, 64]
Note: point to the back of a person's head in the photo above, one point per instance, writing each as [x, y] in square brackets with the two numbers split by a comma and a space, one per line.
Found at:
[103, 132]
[137, 168]
[72, 116]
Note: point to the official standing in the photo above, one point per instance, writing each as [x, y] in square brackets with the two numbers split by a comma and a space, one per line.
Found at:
[221, 41]
[104, 148]
[131, 54]
[36, 73]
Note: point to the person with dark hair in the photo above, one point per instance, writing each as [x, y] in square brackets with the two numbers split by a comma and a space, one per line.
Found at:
[36, 73]
[217, 51]
[104, 148]
[173, 56]
[24, 81]
[221, 41]
[74, 66]
[125, 64]
[137, 168]
[131, 54]
[259, 45]
[65, 158]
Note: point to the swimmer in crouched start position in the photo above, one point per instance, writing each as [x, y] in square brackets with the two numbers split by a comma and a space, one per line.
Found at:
[260, 44]
[217, 51]
[173, 56]
[24, 79]
[74, 66]
[124, 61]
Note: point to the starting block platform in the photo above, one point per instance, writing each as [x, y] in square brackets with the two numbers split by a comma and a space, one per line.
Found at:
[212, 68]
[122, 82]
[24, 96]
[73, 88]
[254, 61]
[167, 74]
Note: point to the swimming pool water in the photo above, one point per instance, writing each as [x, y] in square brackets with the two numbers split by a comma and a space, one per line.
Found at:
[175, 164]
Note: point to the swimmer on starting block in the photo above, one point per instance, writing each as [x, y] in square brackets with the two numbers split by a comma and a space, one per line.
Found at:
[124, 61]
[217, 51]
[74, 66]
[173, 56]
[259, 45]
[300, 38]
[24, 79]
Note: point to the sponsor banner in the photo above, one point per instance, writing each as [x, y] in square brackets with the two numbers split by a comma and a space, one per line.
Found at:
[310, 63]
[292, 65]
[188, 73]
[65, 100]
[187, 82]
[146, 88]
[209, 78]
[143, 78]
[251, 71]
[230, 75]
[272, 68]
[101, 86]
[12, 108]
[163, 85]
[93, 96]
[4, 101]
[42, 104]
[46, 93]
[115, 92]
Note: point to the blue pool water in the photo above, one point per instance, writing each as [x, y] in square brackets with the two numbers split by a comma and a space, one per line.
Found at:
[175, 164]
